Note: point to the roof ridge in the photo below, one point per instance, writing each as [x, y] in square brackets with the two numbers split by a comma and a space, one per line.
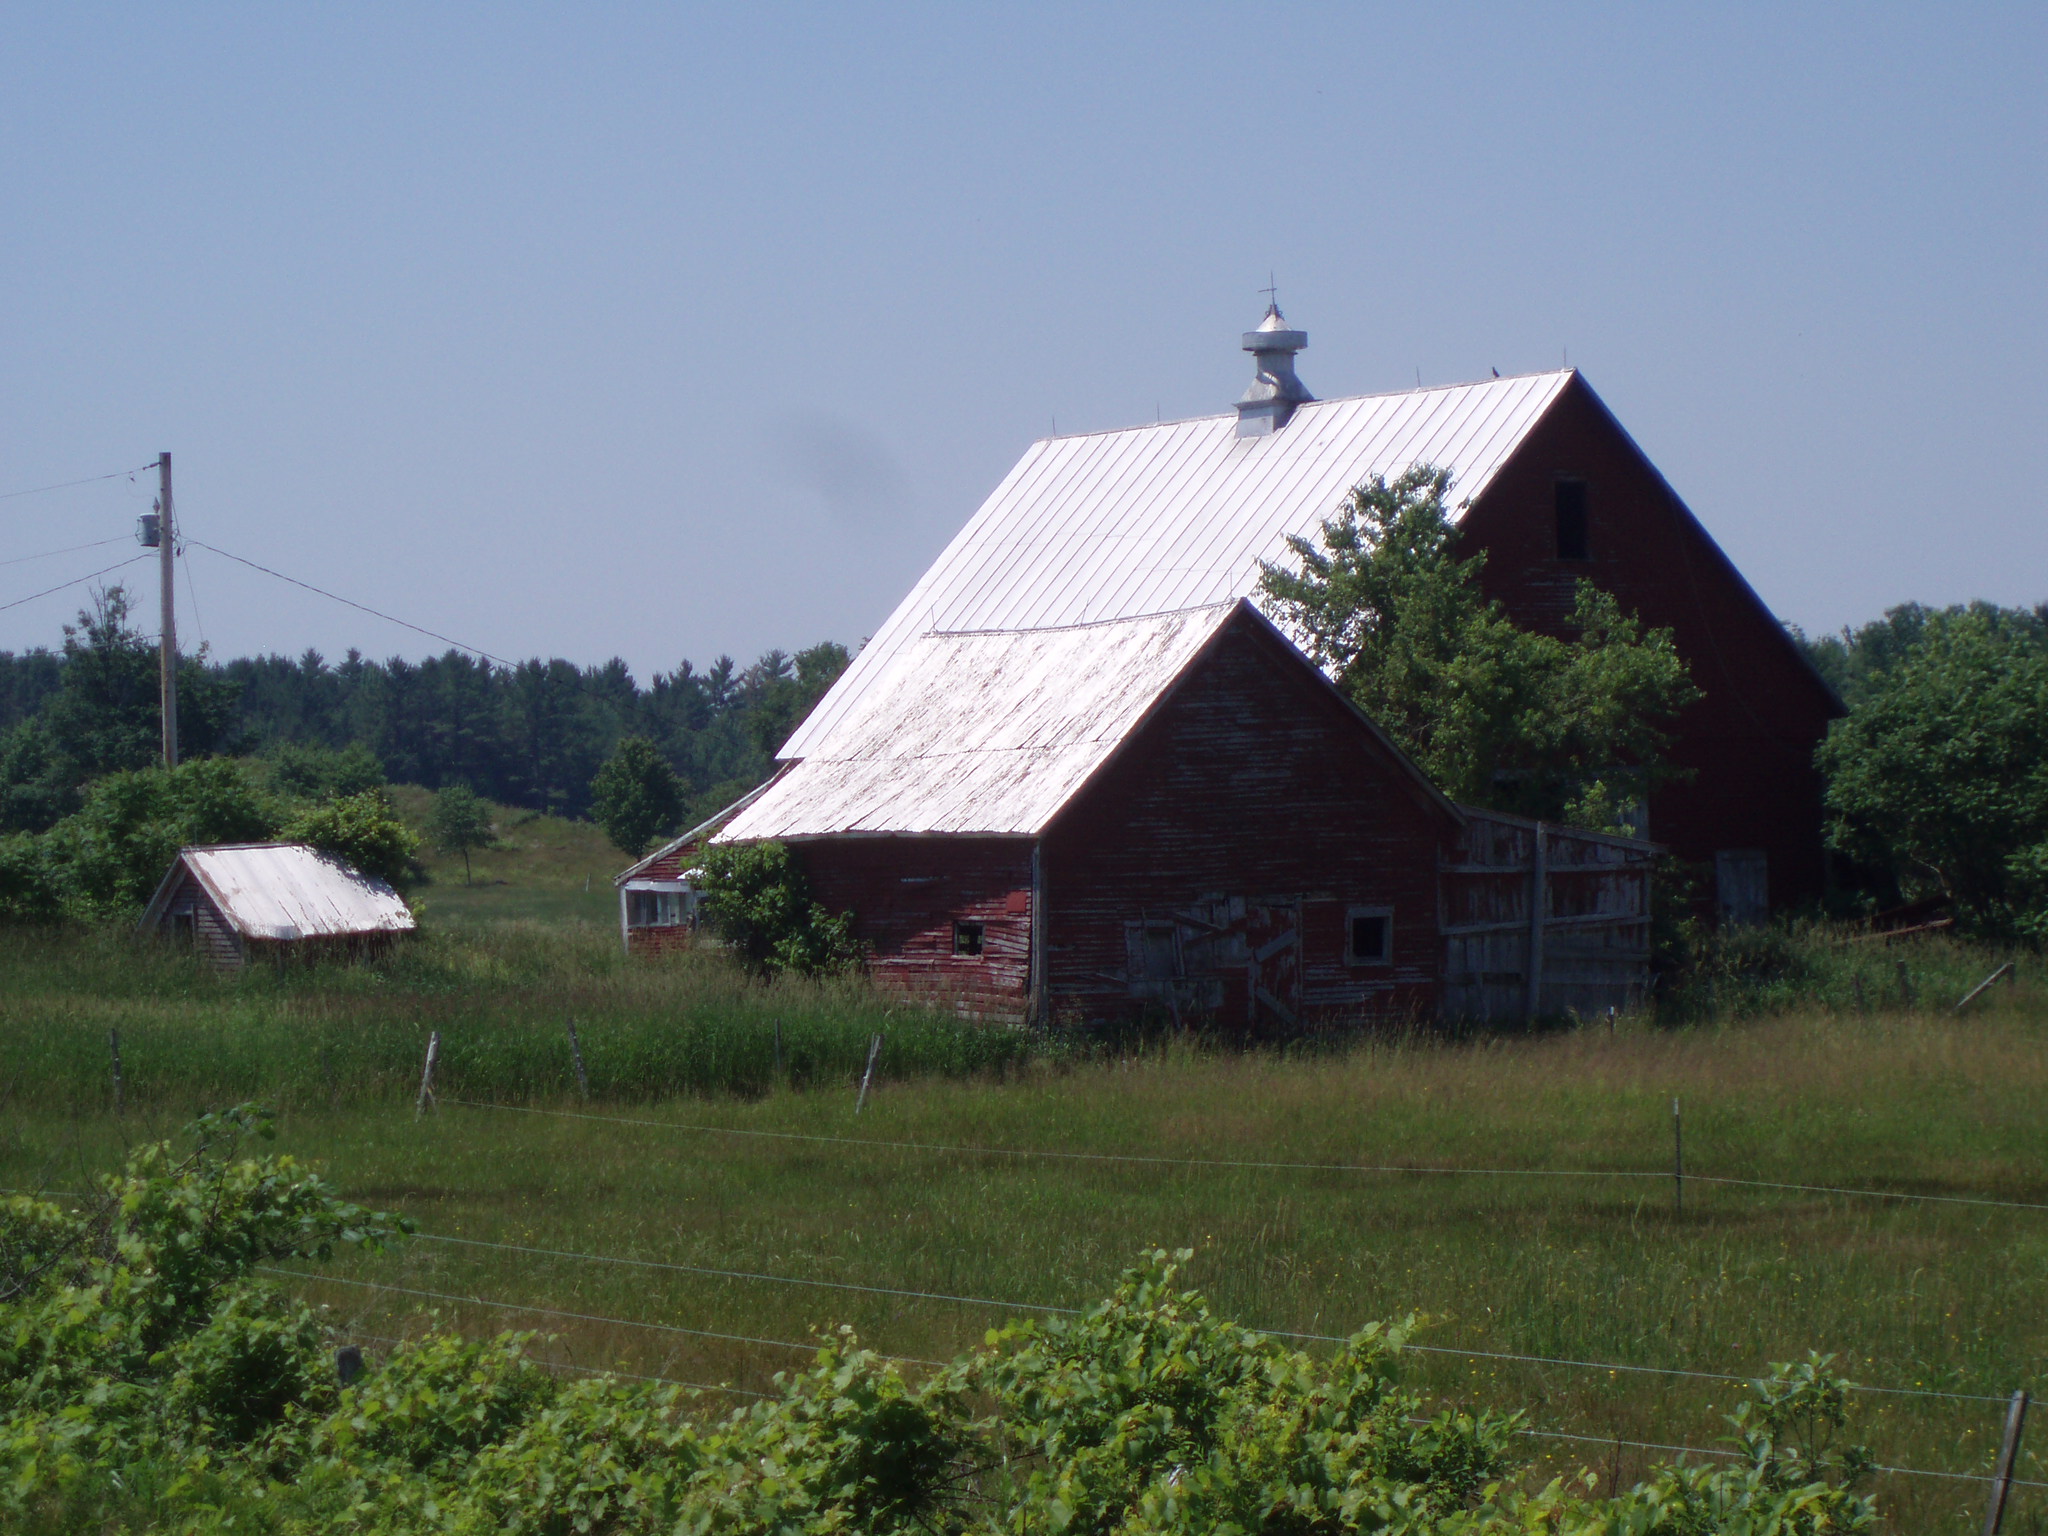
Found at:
[1308, 405]
[1054, 629]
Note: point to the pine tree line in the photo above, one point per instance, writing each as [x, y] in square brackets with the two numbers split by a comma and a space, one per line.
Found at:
[533, 735]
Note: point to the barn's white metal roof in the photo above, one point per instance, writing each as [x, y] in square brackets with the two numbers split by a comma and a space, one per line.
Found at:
[1156, 519]
[288, 891]
[981, 733]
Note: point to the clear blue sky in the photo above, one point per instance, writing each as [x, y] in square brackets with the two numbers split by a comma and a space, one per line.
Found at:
[665, 331]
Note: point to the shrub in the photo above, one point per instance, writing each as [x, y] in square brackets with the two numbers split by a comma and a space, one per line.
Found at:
[108, 858]
[757, 899]
[361, 829]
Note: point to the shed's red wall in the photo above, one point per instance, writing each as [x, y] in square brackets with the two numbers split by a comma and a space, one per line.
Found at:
[906, 893]
[1750, 741]
[1252, 781]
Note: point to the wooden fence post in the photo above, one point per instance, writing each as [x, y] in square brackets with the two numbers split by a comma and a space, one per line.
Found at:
[426, 1097]
[114, 1050]
[778, 1050]
[1905, 985]
[1971, 996]
[576, 1057]
[2008, 1453]
[1677, 1161]
[1539, 900]
[874, 1050]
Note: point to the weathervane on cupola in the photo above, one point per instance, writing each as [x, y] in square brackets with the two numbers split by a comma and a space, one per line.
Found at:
[1275, 391]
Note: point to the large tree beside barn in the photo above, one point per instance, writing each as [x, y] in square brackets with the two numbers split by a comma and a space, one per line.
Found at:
[1573, 728]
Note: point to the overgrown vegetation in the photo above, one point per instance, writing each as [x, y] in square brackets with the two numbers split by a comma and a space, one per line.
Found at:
[758, 900]
[1497, 715]
[151, 1379]
[102, 862]
[500, 995]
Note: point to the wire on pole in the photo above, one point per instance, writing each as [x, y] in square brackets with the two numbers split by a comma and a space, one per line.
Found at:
[65, 485]
[375, 613]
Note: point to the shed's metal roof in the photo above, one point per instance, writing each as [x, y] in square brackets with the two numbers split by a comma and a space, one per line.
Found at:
[287, 891]
[981, 733]
[1108, 525]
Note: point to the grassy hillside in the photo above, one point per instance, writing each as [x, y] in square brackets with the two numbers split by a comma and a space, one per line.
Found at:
[543, 868]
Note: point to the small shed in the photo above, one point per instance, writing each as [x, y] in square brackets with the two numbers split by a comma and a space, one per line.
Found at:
[237, 901]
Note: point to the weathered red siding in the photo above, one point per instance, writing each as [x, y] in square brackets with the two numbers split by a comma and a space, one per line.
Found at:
[906, 894]
[1750, 741]
[1253, 793]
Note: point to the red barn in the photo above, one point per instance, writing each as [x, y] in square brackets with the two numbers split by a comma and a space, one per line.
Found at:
[1180, 813]
[1154, 519]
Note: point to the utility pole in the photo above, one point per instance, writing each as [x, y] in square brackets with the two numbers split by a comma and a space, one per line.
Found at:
[168, 641]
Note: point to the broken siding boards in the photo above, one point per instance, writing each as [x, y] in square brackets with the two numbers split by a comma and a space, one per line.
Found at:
[908, 894]
[1589, 932]
[1226, 845]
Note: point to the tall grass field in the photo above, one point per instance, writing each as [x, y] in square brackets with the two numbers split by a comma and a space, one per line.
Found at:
[1517, 1191]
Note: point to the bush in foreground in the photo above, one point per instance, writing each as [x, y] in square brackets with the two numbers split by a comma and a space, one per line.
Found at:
[149, 1380]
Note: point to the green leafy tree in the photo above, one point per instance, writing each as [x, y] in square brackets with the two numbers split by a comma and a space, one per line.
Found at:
[636, 796]
[459, 821]
[107, 858]
[756, 898]
[1940, 771]
[1496, 715]
[362, 829]
[309, 771]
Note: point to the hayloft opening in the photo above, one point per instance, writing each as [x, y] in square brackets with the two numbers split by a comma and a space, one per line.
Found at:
[967, 938]
[1572, 541]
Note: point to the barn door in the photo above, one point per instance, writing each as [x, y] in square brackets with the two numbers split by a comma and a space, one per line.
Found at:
[1272, 937]
[1742, 886]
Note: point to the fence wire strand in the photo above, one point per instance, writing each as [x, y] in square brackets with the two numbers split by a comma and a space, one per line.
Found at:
[1039, 1306]
[1542, 1434]
[962, 1150]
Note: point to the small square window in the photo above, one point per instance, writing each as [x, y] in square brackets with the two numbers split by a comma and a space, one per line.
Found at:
[1572, 537]
[1369, 936]
[967, 938]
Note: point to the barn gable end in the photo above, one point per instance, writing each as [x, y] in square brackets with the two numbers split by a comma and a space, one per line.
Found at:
[1747, 747]
[1218, 863]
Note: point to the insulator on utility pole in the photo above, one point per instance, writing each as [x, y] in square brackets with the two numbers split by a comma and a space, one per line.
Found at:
[167, 645]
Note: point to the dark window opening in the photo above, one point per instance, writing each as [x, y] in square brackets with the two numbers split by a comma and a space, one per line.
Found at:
[1369, 936]
[1571, 521]
[967, 938]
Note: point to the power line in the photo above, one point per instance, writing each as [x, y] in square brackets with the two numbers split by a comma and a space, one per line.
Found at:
[65, 485]
[192, 596]
[78, 581]
[359, 607]
[1218, 1162]
[72, 550]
